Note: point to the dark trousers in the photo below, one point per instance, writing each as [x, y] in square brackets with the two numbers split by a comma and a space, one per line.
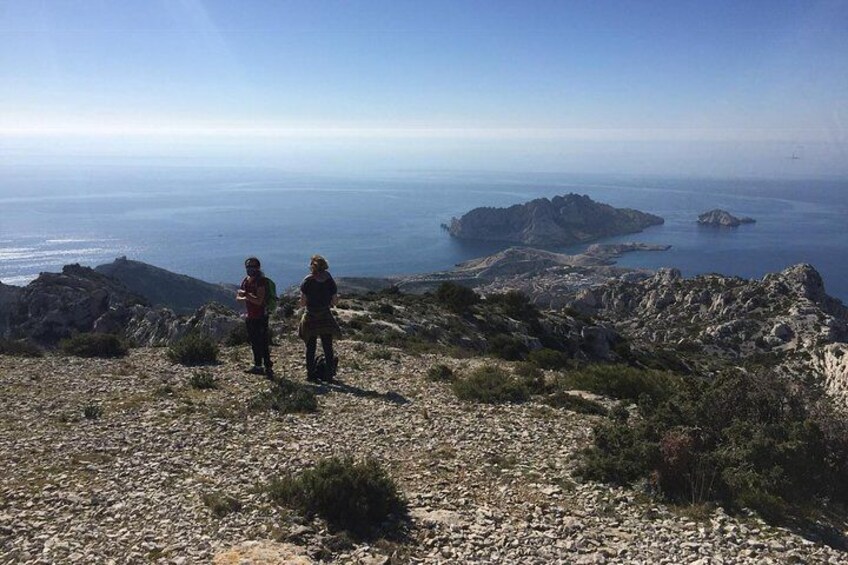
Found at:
[311, 346]
[259, 337]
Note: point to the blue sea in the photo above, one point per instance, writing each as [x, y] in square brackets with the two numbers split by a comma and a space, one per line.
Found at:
[204, 221]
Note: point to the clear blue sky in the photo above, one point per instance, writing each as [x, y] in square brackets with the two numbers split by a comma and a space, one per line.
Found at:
[561, 85]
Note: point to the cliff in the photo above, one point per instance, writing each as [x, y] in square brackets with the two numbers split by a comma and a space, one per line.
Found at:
[562, 220]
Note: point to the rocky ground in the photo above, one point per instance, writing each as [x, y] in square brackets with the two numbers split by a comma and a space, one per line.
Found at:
[485, 484]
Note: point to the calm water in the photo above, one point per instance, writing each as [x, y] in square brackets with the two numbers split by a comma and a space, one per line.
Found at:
[204, 222]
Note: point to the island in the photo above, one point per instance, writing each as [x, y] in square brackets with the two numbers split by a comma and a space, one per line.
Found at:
[723, 219]
[543, 222]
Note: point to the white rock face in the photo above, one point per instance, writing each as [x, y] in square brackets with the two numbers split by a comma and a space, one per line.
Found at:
[832, 362]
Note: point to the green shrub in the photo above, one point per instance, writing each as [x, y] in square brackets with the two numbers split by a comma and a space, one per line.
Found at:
[514, 304]
[382, 354]
[358, 497]
[508, 347]
[94, 345]
[386, 309]
[287, 397]
[221, 504]
[619, 381]
[20, 348]
[456, 297]
[203, 381]
[237, 336]
[440, 373]
[194, 349]
[92, 412]
[744, 439]
[532, 378]
[550, 359]
[490, 385]
[562, 399]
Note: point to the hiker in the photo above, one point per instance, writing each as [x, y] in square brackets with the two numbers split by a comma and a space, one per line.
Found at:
[254, 293]
[318, 292]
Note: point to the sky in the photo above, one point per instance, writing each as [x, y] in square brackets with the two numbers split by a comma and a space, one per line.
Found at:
[722, 88]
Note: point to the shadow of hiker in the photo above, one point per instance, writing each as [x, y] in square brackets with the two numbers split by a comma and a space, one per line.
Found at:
[340, 386]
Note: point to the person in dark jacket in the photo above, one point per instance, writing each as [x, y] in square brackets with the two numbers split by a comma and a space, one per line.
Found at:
[253, 291]
[318, 293]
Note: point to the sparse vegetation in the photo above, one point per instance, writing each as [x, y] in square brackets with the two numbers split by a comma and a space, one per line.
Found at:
[550, 359]
[94, 345]
[507, 347]
[20, 348]
[286, 397]
[237, 336]
[203, 380]
[562, 399]
[194, 349]
[221, 504]
[92, 411]
[357, 497]
[514, 304]
[618, 381]
[440, 373]
[490, 385]
[456, 298]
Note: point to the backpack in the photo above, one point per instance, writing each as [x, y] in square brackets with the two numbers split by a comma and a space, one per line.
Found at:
[271, 298]
[322, 368]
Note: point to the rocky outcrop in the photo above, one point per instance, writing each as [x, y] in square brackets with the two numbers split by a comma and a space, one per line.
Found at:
[56, 305]
[9, 297]
[562, 220]
[722, 218]
[180, 293]
[783, 312]
[161, 326]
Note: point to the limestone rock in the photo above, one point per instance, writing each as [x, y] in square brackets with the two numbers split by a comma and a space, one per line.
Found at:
[722, 218]
[263, 552]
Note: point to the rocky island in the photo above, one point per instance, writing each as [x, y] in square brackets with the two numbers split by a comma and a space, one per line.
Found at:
[722, 218]
[559, 221]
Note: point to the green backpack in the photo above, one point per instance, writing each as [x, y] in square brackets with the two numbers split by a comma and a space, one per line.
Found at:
[271, 298]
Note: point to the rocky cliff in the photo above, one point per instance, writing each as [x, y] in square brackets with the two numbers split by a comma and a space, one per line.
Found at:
[562, 220]
[722, 218]
[180, 293]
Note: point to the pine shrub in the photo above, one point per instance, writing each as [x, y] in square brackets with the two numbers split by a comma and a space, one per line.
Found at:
[20, 348]
[94, 345]
[194, 349]
[358, 497]
[440, 373]
[203, 381]
[455, 297]
[286, 397]
[490, 385]
[507, 347]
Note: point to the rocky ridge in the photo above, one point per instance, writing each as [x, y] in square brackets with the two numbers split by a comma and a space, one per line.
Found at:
[562, 220]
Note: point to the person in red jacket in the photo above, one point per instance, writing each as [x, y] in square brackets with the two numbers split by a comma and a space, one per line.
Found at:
[253, 291]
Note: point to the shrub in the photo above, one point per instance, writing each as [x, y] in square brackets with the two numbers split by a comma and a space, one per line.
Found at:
[287, 397]
[619, 381]
[515, 304]
[237, 336]
[440, 373]
[20, 348]
[382, 354]
[94, 345]
[92, 412]
[549, 359]
[358, 497]
[743, 439]
[532, 378]
[221, 504]
[385, 308]
[203, 381]
[562, 399]
[456, 297]
[507, 347]
[194, 349]
[489, 385]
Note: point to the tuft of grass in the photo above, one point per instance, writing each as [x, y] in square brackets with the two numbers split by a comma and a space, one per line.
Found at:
[194, 349]
[440, 373]
[382, 354]
[490, 385]
[358, 497]
[203, 380]
[286, 397]
[92, 411]
[20, 348]
[221, 504]
[94, 345]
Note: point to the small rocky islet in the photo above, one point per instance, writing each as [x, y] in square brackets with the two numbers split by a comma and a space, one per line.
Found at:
[723, 219]
[484, 483]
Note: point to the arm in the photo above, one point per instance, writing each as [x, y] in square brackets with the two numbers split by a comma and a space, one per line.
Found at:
[257, 299]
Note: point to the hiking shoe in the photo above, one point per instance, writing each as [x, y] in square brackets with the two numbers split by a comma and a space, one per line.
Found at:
[312, 379]
[256, 370]
[269, 373]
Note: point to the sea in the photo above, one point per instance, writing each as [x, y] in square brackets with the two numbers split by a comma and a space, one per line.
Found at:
[204, 222]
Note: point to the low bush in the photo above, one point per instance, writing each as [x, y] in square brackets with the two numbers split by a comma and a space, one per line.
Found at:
[237, 336]
[286, 397]
[194, 349]
[562, 399]
[514, 304]
[550, 359]
[619, 381]
[92, 412]
[507, 347]
[490, 385]
[357, 497]
[456, 297]
[221, 504]
[20, 348]
[94, 345]
[440, 373]
[743, 439]
[532, 378]
[203, 381]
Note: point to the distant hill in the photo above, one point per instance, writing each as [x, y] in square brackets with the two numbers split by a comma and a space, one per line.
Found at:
[180, 293]
[562, 220]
